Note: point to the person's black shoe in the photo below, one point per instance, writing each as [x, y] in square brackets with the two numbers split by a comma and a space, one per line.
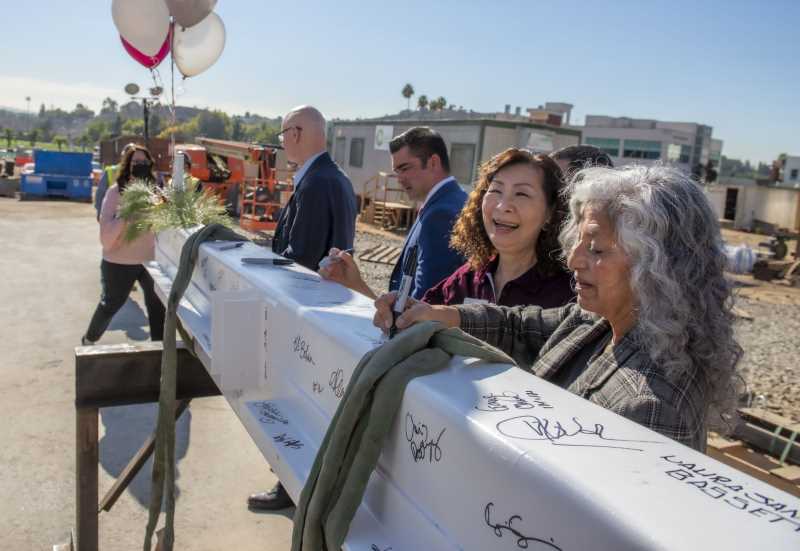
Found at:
[275, 499]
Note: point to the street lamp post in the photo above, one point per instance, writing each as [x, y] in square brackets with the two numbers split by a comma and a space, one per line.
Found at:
[147, 103]
[28, 112]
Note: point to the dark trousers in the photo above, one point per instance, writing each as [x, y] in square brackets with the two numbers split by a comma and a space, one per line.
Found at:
[117, 281]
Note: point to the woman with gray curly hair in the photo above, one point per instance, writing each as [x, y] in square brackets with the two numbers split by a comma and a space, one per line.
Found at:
[651, 337]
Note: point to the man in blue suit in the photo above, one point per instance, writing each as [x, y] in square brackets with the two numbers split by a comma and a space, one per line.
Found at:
[322, 210]
[321, 214]
[420, 160]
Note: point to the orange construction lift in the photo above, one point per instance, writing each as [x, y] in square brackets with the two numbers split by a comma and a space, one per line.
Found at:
[244, 176]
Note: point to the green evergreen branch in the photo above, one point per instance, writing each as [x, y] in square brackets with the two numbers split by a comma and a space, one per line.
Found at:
[149, 209]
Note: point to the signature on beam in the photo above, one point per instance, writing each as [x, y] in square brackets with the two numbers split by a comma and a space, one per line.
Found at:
[509, 399]
[422, 446]
[336, 383]
[288, 441]
[303, 349]
[570, 433]
[522, 540]
[270, 414]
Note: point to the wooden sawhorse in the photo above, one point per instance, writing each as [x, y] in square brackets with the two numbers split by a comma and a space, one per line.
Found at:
[118, 375]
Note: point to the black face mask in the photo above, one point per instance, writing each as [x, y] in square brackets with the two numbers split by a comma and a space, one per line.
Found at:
[140, 170]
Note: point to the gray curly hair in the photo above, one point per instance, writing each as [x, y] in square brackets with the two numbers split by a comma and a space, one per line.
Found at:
[667, 227]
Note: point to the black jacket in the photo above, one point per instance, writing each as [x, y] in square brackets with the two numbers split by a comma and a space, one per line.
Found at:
[320, 214]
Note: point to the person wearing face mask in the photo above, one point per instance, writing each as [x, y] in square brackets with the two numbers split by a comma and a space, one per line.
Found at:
[122, 263]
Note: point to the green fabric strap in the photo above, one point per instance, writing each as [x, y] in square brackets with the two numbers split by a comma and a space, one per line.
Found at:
[354, 439]
[163, 481]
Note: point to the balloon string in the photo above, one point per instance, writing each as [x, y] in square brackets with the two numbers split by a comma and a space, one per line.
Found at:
[173, 114]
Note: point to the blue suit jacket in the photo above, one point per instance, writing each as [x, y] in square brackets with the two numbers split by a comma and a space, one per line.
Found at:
[435, 259]
[320, 214]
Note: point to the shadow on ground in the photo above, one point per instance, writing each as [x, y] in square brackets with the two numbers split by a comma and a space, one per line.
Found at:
[131, 319]
[126, 429]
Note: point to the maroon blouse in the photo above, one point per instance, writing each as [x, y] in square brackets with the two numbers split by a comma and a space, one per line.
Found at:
[529, 288]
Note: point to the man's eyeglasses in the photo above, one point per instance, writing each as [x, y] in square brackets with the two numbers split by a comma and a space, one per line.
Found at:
[282, 132]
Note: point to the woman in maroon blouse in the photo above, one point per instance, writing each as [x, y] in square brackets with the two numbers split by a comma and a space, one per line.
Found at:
[508, 231]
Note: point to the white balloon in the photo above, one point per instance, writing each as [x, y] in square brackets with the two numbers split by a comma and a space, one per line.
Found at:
[197, 48]
[188, 13]
[143, 23]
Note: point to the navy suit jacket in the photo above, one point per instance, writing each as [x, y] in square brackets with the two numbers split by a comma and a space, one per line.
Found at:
[320, 214]
[435, 259]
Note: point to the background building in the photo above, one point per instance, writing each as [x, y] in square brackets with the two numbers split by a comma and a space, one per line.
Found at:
[791, 172]
[361, 147]
[646, 141]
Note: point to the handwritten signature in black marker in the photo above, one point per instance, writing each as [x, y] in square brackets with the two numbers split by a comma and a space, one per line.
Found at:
[270, 414]
[300, 345]
[336, 383]
[288, 441]
[421, 444]
[522, 540]
[571, 433]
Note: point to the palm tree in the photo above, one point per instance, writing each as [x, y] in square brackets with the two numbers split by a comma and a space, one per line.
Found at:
[441, 103]
[407, 92]
[33, 136]
[9, 136]
[422, 102]
[84, 140]
[60, 141]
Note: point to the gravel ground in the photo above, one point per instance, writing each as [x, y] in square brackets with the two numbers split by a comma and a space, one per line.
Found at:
[771, 345]
[374, 273]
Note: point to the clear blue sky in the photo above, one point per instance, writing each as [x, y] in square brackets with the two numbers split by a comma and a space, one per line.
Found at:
[732, 64]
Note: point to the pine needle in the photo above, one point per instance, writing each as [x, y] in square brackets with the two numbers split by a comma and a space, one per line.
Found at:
[149, 209]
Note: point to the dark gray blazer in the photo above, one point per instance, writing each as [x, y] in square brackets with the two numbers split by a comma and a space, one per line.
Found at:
[320, 214]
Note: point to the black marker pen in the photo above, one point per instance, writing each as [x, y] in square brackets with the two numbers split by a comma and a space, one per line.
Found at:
[409, 269]
[268, 261]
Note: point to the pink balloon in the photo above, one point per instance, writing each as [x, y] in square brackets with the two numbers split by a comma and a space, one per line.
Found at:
[148, 61]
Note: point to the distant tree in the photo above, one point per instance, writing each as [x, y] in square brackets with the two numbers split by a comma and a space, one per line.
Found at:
[116, 126]
[60, 141]
[109, 106]
[213, 124]
[155, 125]
[407, 92]
[42, 111]
[9, 137]
[83, 141]
[46, 129]
[422, 102]
[33, 137]
[237, 131]
[98, 130]
[82, 112]
[438, 104]
[133, 126]
[20, 135]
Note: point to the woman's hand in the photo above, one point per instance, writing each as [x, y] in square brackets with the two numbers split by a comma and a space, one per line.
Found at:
[415, 311]
[339, 266]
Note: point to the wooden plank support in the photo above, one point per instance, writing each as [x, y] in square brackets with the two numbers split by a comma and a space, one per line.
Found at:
[121, 374]
[116, 375]
[86, 459]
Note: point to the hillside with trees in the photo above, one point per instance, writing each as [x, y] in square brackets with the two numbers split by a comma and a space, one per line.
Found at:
[84, 128]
